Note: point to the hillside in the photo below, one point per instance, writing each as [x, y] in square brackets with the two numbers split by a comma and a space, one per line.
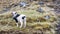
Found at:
[36, 22]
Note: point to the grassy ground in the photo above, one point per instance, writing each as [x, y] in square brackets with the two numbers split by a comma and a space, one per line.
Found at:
[36, 23]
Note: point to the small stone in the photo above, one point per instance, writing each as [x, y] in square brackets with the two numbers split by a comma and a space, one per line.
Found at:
[47, 17]
[23, 4]
[40, 10]
[41, 3]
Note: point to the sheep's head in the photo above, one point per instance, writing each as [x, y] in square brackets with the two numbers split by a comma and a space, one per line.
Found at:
[14, 14]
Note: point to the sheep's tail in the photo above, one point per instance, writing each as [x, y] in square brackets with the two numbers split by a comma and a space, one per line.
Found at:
[23, 17]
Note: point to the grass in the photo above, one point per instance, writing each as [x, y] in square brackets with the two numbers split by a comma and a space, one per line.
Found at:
[30, 14]
[35, 20]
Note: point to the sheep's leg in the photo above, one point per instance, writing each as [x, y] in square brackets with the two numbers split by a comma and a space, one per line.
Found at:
[21, 21]
[24, 22]
[17, 24]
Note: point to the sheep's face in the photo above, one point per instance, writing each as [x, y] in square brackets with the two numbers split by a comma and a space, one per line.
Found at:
[14, 14]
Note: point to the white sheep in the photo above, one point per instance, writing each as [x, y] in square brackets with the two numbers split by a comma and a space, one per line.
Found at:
[19, 18]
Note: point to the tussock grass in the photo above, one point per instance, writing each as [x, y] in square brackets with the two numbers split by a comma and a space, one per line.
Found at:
[35, 20]
[32, 16]
[36, 23]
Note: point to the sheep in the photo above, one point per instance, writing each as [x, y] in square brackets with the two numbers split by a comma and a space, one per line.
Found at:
[19, 18]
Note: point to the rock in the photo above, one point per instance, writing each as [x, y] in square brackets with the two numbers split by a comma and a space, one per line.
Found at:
[47, 17]
[40, 10]
[41, 3]
[23, 4]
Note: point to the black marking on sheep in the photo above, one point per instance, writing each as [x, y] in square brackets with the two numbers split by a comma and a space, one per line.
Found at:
[23, 17]
[15, 18]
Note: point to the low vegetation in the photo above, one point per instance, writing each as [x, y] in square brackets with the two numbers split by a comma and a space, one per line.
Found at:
[36, 23]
